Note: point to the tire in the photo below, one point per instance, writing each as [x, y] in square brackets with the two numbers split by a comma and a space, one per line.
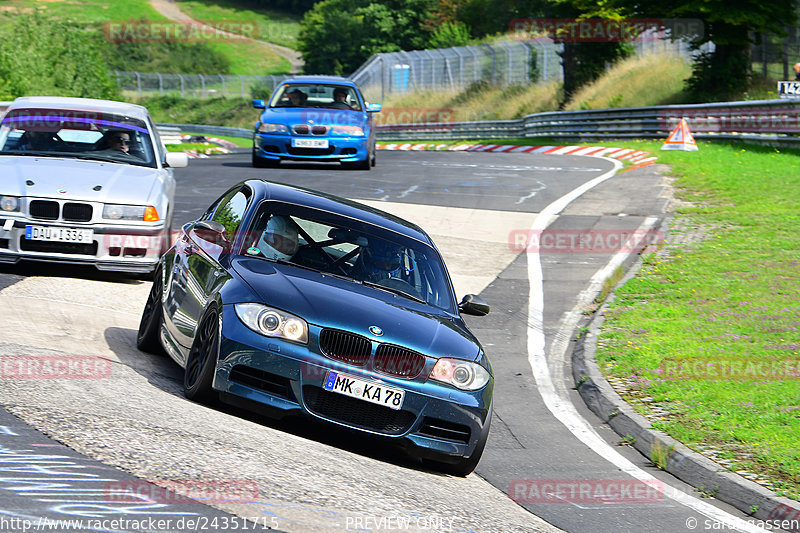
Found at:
[148, 337]
[259, 162]
[202, 360]
[464, 466]
[374, 157]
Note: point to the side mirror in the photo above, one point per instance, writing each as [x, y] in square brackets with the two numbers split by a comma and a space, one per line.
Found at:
[177, 159]
[472, 304]
[373, 108]
[259, 104]
[211, 231]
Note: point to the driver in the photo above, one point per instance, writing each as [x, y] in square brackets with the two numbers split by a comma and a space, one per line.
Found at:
[279, 239]
[378, 260]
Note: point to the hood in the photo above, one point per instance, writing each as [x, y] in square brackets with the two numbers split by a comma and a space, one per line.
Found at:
[302, 115]
[126, 184]
[326, 301]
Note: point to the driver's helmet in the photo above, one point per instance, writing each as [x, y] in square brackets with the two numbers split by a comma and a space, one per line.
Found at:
[279, 239]
[380, 258]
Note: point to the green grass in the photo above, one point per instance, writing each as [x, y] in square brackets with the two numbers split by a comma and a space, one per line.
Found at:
[273, 26]
[730, 297]
[232, 112]
[479, 102]
[90, 10]
[653, 79]
[244, 57]
[241, 142]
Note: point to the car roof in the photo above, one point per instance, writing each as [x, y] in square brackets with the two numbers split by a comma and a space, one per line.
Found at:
[319, 79]
[341, 206]
[80, 104]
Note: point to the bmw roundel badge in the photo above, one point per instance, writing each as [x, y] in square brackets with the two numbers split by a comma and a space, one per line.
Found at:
[375, 330]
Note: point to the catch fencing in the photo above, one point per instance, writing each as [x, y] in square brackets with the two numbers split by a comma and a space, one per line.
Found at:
[196, 85]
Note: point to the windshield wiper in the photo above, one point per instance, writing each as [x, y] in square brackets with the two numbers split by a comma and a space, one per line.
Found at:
[399, 292]
[312, 269]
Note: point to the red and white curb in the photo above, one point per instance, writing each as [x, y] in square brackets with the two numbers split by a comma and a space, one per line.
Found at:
[638, 157]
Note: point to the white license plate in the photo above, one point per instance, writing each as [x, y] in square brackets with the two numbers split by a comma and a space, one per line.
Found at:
[310, 143]
[54, 234]
[364, 390]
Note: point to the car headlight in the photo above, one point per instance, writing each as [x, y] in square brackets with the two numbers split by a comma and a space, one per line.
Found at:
[130, 212]
[347, 130]
[9, 203]
[272, 128]
[461, 374]
[272, 322]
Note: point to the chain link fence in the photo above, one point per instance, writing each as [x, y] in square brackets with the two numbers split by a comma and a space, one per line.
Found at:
[774, 57]
[196, 85]
[502, 63]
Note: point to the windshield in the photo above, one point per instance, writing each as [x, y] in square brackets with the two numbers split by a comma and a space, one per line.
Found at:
[351, 249]
[77, 134]
[316, 95]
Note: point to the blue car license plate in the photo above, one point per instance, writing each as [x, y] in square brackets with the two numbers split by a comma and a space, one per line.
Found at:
[369, 391]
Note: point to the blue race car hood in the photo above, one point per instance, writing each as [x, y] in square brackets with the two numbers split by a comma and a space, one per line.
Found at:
[322, 116]
[327, 301]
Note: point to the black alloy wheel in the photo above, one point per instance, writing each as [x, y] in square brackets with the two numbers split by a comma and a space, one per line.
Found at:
[147, 338]
[202, 361]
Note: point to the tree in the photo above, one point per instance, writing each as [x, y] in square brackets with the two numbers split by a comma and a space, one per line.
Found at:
[730, 24]
[39, 55]
[337, 36]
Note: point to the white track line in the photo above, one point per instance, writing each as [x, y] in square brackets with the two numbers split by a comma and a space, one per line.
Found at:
[560, 405]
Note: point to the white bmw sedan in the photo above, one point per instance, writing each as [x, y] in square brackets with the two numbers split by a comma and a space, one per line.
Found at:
[84, 181]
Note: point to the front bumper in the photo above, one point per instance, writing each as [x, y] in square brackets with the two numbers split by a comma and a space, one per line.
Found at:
[281, 378]
[279, 147]
[117, 248]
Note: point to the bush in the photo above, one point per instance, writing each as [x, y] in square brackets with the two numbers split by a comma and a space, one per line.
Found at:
[167, 58]
[43, 56]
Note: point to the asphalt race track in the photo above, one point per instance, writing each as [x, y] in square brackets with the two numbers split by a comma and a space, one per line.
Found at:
[292, 476]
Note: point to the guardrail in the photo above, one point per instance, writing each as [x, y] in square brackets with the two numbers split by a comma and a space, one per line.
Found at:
[768, 121]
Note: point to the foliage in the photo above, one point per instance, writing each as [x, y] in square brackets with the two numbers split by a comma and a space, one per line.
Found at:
[166, 57]
[729, 25]
[29, 46]
[233, 112]
[585, 62]
[450, 34]
[298, 7]
[337, 36]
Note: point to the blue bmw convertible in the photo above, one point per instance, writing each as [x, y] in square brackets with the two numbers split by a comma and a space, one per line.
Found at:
[290, 301]
[315, 118]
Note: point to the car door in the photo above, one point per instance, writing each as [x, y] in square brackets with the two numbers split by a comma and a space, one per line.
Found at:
[197, 271]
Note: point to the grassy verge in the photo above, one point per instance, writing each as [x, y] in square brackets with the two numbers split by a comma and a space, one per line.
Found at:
[241, 142]
[232, 112]
[273, 26]
[91, 10]
[704, 340]
[653, 79]
[244, 57]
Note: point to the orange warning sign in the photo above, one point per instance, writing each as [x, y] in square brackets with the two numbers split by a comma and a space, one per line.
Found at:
[680, 138]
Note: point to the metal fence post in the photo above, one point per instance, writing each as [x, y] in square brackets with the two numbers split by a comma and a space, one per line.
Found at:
[487, 45]
[202, 85]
